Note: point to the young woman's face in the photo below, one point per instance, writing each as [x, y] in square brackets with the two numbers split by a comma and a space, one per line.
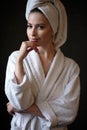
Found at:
[39, 30]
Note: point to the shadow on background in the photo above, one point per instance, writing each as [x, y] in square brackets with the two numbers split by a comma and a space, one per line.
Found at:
[13, 32]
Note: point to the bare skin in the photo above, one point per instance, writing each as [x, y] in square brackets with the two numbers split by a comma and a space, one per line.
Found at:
[40, 37]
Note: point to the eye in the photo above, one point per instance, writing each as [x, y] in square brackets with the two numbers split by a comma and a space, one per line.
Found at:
[29, 25]
[41, 27]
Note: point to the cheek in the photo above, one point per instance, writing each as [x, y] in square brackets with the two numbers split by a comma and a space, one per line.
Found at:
[27, 32]
[47, 36]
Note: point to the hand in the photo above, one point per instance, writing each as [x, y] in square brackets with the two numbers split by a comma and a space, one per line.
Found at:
[10, 109]
[34, 110]
[25, 48]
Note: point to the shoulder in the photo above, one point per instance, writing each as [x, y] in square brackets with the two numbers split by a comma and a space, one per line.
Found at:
[72, 65]
[69, 62]
[11, 61]
[13, 56]
[14, 53]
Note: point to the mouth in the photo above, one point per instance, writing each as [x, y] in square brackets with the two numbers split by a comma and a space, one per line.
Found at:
[34, 39]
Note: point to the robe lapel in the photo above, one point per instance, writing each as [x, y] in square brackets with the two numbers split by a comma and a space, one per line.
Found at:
[46, 84]
[52, 76]
[36, 68]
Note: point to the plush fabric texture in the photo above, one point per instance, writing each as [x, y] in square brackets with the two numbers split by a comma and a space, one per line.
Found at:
[57, 94]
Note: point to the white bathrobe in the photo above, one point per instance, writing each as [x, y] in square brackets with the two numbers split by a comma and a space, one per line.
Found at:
[57, 95]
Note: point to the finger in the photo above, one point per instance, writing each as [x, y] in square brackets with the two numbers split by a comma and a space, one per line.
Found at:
[31, 44]
[29, 49]
[35, 48]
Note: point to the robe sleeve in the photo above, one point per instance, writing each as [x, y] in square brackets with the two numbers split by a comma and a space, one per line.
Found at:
[20, 95]
[63, 110]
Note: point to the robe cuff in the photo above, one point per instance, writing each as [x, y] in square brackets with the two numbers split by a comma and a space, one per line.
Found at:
[48, 113]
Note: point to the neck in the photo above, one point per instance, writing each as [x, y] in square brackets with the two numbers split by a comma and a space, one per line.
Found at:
[47, 52]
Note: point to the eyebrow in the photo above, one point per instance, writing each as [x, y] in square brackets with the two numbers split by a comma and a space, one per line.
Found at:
[37, 24]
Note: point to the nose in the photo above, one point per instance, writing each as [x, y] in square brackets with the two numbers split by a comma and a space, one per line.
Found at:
[33, 31]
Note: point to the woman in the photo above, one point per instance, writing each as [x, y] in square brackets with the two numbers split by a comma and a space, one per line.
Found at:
[42, 85]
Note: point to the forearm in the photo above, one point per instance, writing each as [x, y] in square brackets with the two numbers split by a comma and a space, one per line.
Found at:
[34, 110]
[19, 71]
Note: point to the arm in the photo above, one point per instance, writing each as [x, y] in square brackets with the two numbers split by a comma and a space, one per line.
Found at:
[19, 69]
[17, 85]
[17, 93]
[33, 109]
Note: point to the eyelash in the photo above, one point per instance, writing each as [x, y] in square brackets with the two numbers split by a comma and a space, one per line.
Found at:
[38, 26]
[29, 26]
[41, 27]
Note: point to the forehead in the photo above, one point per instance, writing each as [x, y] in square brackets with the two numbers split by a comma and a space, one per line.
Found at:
[37, 17]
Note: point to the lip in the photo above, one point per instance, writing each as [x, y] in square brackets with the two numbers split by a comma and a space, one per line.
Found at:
[34, 39]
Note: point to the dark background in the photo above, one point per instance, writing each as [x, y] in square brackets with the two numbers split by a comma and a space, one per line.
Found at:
[13, 32]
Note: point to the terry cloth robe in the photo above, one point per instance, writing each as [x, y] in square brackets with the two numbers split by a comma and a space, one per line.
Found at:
[57, 94]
